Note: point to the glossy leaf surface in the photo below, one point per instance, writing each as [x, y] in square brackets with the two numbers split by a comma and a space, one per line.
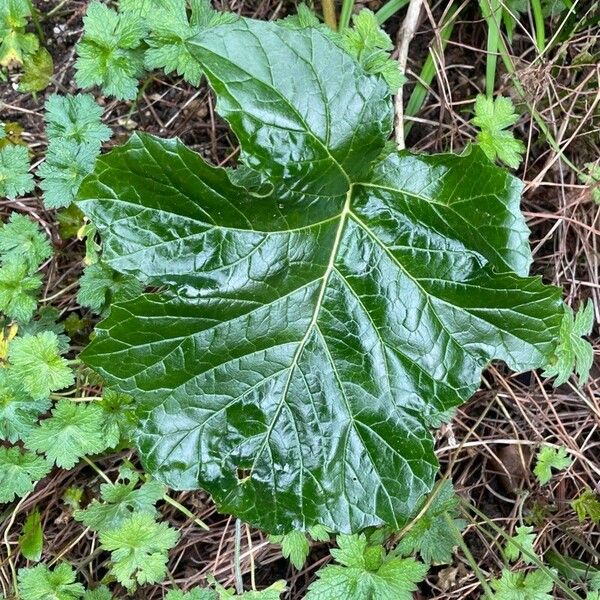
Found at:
[311, 325]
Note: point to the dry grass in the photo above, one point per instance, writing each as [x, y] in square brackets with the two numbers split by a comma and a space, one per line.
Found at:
[488, 448]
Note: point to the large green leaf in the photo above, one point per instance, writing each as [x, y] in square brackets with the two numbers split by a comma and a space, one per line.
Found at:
[310, 327]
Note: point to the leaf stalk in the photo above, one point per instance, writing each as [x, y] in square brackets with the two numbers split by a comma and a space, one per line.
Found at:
[345, 14]
[329, 14]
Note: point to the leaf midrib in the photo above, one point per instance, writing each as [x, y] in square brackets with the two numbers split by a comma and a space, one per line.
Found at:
[345, 214]
[313, 322]
[424, 291]
[285, 101]
[432, 203]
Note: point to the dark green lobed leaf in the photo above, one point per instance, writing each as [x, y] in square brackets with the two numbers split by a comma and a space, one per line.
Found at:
[308, 335]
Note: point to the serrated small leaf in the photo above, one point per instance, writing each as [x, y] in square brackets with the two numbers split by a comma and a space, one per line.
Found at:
[18, 290]
[535, 585]
[41, 583]
[139, 549]
[494, 114]
[493, 117]
[304, 17]
[118, 416]
[548, 459]
[587, 506]
[15, 179]
[36, 364]
[109, 53]
[319, 533]
[521, 545]
[170, 31]
[13, 15]
[46, 319]
[72, 431]
[31, 541]
[76, 118]
[66, 164]
[193, 594]
[573, 354]
[37, 71]
[501, 145]
[72, 497]
[273, 592]
[18, 411]
[431, 535]
[22, 240]
[366, 572]
[16, 45]
[371, 46]
[141, 8]
[19, 471]
[119, 502]
[100, 284]
[100, 593]
[294, 547]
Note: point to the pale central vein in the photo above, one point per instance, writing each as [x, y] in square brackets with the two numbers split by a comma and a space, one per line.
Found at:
[319, 302]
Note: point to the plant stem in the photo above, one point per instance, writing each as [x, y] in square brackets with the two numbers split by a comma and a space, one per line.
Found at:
[98, 470]
[498, 531]
[329, 14]
[11, 522]
[76, 399]
[166, 497]
[252, 565]
[237, 567]
[419, 93]
[36, 22]
[140, 94]
[389, 9]
[188, 513]
[407, 32]
[52, 12]
[61, 292]
[488, 593]
[538, 20]
[345, 14]
[491, 10]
